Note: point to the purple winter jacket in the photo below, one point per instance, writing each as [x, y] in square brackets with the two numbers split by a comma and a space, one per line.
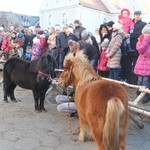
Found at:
[142, 66]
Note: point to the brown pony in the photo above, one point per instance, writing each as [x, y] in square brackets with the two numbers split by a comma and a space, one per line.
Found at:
[102, 105]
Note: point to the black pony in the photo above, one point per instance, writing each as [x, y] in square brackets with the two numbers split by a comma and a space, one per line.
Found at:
[35, 75]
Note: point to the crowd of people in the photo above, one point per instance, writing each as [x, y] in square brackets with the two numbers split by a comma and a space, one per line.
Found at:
[117, 50]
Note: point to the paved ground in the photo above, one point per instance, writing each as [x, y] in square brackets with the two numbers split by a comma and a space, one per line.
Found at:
[21, 128]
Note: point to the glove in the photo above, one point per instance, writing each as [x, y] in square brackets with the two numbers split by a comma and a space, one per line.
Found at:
[131, 31]
[141, 38]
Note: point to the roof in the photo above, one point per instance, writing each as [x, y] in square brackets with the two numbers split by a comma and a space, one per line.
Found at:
[20, 18]
[115, 6]
[94, 4]
[31, 19]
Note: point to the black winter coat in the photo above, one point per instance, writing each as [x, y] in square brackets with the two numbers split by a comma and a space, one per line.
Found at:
[138, 26]
[70, 37]
[28, 41]
[77, 32]
[61, 41]
[89, 50]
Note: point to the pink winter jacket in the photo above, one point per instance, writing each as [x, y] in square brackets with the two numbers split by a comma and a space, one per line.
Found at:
[127, 23]
[142, 66]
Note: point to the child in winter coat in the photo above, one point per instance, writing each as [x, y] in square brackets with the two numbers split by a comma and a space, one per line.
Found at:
[43, 40]
[102, 67]
[113, 52]
[36, 49]
[142, 67]
[127, 25]
[6, 45]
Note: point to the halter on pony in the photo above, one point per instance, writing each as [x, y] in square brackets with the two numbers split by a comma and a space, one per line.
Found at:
[44, 76]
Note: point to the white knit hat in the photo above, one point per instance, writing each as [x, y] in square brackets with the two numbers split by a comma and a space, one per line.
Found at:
[69, 30]
[146, 29]
[1, 29]
[117, 26]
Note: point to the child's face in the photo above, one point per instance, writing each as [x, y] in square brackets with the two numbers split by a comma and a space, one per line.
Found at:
[125, 14]
[147, 34]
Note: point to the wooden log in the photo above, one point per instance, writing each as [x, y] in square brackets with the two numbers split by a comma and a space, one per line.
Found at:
[1, 81]
[125, 83]
[140, 88]
[140, 111]
[138, 99]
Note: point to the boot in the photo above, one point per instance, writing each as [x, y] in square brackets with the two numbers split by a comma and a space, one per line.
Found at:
[146, 99]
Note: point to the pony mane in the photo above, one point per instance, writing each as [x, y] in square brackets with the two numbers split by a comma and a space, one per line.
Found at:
[82, 67]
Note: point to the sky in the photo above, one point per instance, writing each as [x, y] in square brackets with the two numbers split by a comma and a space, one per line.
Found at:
[27, 7]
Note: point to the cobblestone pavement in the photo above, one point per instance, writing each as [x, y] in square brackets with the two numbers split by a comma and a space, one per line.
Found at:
[21, 128]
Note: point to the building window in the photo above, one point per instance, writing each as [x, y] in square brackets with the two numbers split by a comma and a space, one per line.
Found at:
[49, 19]
[104, 20]
[64, 19]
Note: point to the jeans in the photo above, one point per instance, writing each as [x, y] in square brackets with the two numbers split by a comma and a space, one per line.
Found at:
[61, 60]
[144, 81]
[94, 62]
[63, 107]
[114, 73]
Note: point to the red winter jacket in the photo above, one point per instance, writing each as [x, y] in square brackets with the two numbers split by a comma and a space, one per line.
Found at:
[43, 43]
[102, 65]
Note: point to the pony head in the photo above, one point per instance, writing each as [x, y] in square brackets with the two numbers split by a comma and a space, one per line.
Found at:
[77, 68]
[46, 66]
[67, 77]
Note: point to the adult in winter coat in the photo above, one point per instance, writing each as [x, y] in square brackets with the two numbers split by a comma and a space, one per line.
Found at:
[89, 38]
[61, 41]
[104, 33]
[52, 45]
[142, 67]
[89, 50]
[78, 29]
[131, 58]
[114, 52]
[28, 42]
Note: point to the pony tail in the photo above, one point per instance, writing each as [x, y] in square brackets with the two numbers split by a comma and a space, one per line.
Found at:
[112, 129]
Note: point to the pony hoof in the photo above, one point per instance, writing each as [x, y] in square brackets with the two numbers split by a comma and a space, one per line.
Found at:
[14, 100]
[37, 110]
[5, 101]
[44, 110]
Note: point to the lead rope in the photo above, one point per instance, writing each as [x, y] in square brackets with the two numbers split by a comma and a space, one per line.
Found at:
[69, 118]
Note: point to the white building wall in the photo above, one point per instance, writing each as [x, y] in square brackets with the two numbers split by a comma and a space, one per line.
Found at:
[52, 4]
[54, 12]
[58, 16]
[91, 18]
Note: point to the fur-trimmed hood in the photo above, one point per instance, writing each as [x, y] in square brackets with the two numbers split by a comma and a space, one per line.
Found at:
[121, 14]
[146, 29]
